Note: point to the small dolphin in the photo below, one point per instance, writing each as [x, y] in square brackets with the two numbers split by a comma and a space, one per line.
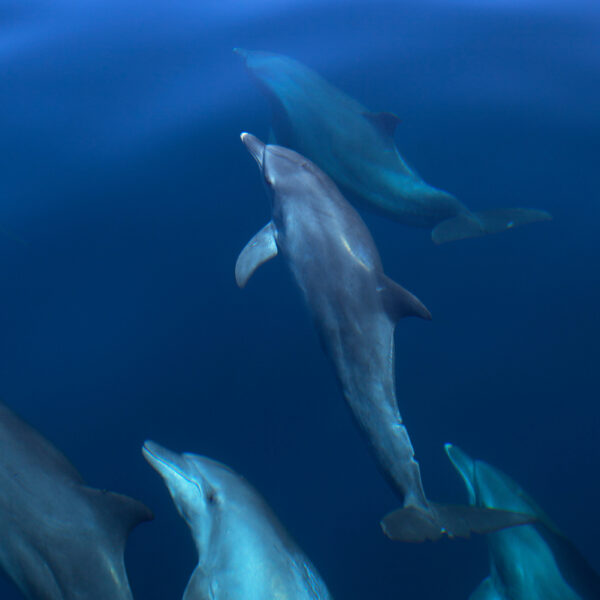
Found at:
[532, 562]
[356, 148]
[355, 308]
[243, 551]
[59, 539]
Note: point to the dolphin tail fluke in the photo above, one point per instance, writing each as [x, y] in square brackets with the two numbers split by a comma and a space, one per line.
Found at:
[413, 524]
[469, 225]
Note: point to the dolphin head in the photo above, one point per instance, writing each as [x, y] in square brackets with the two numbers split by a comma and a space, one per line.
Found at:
[200, 488]
[284, 171]
[489, 487]
[271, 71]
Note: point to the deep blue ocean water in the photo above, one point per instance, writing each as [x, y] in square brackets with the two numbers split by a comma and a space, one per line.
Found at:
[127, 195]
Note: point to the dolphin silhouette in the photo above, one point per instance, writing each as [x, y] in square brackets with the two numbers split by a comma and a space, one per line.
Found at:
[244, 553]
[532, 562]
[356, 148]
[355, 308]
[59, 539]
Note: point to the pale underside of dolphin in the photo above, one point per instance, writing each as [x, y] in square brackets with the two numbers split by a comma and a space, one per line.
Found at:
[531, 562]
[59, 538]
[356, 148]
[244, 553]
[355, 308]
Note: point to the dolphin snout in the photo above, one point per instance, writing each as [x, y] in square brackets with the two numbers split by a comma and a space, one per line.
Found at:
[254, 146]
[161, 459]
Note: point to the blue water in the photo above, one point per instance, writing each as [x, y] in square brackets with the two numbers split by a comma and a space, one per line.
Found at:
[127, 195]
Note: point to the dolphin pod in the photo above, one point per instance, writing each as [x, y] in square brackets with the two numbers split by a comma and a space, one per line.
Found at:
[356, 148]
[62, 540]
[244, 553]
[355, 308]
[59, 539]
[533, 562]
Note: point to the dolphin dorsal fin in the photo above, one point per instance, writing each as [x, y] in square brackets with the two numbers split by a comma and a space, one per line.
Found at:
[258, 250]
[399, 302]
[122, 512]
[386, 122]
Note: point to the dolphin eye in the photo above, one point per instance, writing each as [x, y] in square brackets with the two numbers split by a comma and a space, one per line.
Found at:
[211, 498]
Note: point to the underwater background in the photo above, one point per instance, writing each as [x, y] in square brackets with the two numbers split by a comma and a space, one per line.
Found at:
[127, 196]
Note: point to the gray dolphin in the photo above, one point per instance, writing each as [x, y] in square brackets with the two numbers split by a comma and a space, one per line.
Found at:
[533, 562]
[356, 148]
[244, 553]
[59, 539]
[355, 308]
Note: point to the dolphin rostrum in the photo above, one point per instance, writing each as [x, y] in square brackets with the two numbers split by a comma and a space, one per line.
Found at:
[244, 553]
[355, 308]
[533, 562]
[356, 148]
[59, 539]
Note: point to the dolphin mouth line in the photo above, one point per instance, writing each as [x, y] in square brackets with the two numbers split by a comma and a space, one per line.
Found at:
[171, 466]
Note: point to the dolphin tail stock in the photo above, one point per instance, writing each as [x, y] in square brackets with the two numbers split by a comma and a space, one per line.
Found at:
[413, 524]
[476, 224]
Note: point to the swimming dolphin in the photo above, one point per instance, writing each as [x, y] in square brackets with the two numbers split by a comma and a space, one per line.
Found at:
[243, 551]
[355, 308]
[356, 148]
[532, 562]
[59, 539]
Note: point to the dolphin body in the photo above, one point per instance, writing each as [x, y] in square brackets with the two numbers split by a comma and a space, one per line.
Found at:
[355, 308]
[532, 562]
[243, 551]
[59, 539]
[356, 148]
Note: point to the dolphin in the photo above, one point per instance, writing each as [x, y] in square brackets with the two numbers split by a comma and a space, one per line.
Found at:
[356, 148]
[244, 553]
[355, 308]
[532, 562]
[59, 538]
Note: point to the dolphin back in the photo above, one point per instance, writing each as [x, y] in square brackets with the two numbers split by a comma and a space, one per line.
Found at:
[59, 539]
[21, 444]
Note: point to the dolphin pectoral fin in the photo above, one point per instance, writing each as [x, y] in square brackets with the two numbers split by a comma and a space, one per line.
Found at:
[413, 524]
[469, 225]
[257, 251]
[399, 302]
